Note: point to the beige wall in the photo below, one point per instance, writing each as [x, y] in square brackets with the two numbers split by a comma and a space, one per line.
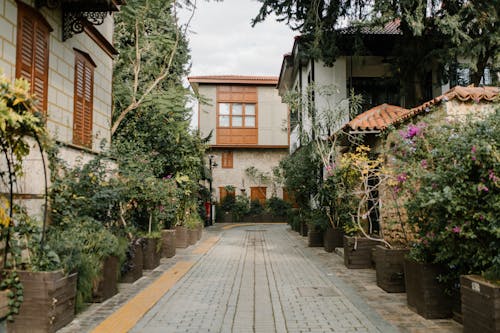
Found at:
[272, 115]
[207, 111]
[262, 159]
[273, 118]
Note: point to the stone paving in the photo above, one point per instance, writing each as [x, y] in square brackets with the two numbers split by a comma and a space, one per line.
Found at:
[263, 278]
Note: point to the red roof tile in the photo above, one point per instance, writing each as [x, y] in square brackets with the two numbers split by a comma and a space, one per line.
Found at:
[377, 118]
[260, 80]
[380, 117]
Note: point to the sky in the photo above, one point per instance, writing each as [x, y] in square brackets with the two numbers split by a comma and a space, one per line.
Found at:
[222, 41]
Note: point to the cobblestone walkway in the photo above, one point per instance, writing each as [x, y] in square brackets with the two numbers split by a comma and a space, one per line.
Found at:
[257, 279]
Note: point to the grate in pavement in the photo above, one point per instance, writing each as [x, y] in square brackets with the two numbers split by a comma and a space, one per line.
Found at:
[255, 230]
[317, 292]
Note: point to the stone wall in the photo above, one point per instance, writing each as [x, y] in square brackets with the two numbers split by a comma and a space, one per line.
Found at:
[262, 159]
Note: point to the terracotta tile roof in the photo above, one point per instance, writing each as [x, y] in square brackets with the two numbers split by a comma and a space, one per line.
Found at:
[380, 117]
[260, 80]
[391, 28]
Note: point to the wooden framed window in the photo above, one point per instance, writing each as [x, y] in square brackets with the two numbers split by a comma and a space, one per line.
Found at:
[227, 160]
[32, 53]
[83, 100]
[223, 193]
[237, 115]
[258, 193]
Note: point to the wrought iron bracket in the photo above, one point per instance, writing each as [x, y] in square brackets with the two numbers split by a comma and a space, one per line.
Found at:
[74, 22]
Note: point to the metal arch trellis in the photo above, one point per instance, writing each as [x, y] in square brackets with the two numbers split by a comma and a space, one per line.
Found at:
[7, 152]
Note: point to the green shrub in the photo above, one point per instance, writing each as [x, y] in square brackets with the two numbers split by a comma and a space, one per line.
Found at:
[452, 173]
[256, 208]
[278, 207]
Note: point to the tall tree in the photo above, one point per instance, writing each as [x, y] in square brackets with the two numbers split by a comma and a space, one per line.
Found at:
[151, 119]
[435, 32]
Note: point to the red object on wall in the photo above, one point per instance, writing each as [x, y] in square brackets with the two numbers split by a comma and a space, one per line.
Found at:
[207, 210]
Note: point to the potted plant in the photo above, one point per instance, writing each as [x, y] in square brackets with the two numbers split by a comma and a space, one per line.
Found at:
[278, 208]
[33, 278]
[30, 271]
[455, 219]
[193, 222]
[317, 223]
[356, 172]
[131, 270]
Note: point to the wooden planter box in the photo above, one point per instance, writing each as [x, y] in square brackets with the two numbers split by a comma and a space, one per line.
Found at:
[389, 266]
[151, 253]
[168, 243]
[181, 237]
[107, 286]
[199, 232]
[424, 293]
[314, 237]
[192, 236]
[303, 229]
[224, 217]
[49, 302]
[333, 238]
[4, 303]
[133, 265]
[480, 304]
[358, 252]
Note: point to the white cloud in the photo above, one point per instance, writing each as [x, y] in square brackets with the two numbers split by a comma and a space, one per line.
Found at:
[222, 40]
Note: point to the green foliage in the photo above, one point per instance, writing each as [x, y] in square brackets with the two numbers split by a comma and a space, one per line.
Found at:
[256, 207]
[82, 244]
[434, 34]
[241, 207]
[451, 172]
[10, 281]
[301, 172]
[278, 207]
[318, 219]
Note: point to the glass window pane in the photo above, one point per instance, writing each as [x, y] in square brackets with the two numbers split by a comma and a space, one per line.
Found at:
[223, 108]
[237, 109]
[250, 109]
[224, 121]
[250, 121]
[237, 121]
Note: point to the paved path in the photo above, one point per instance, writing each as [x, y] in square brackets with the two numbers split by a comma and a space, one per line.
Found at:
[257, 279]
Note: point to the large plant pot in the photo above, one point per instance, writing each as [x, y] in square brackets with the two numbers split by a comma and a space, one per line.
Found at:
[357, 252]
[424, 293]
[314, 237]
[151, 253]
[225, 217]
[132, 268]
[480, 304]
[333, 238]
[107, 285]
[389, 266]
[49, 302]
[303, 229]
[4, 303]
[192, 236]
[181, 237]
[168, 243]
[199, 230]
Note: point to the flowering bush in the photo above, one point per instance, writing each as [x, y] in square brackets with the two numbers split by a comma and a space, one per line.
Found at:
[452, 173]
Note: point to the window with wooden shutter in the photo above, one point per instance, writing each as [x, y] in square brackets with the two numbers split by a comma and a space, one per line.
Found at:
[227, 160]
[83, 100]
[223, 191]
[32, 53]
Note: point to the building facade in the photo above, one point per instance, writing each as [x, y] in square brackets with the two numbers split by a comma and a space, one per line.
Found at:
[64, 49]
[249, 133]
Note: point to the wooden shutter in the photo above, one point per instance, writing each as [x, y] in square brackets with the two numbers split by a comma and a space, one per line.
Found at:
[32, 58]
[83, 101]
[258, 193]
[227, 159]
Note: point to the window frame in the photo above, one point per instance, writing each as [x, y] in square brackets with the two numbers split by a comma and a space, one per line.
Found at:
[243, 115]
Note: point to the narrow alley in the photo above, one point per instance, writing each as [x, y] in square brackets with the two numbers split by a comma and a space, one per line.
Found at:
[255, 278]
